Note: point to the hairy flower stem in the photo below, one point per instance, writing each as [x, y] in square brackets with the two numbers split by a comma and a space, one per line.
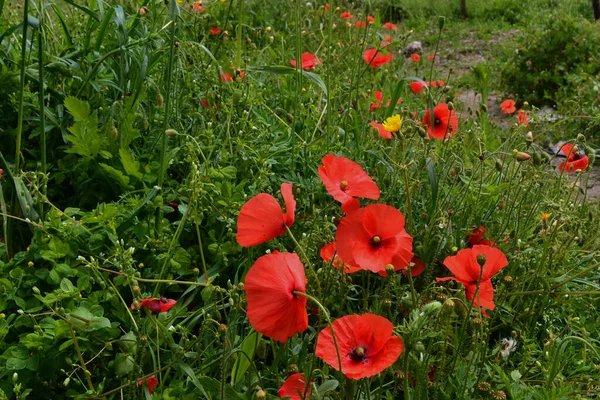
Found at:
[306, 259]
[163, 149]
[87, 373]
[168, 257]
[314, 300]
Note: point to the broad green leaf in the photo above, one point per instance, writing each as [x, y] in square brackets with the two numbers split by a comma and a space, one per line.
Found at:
[243, 360]
[123, 364]
[130, 165]
[117, 176]
[79, 109]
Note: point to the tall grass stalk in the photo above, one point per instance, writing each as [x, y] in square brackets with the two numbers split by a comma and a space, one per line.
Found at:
[42, 110]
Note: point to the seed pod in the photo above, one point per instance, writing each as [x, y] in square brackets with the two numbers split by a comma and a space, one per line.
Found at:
[159, 100]
[520, 156]
[171, 132]
[499, 165]
[537, 158]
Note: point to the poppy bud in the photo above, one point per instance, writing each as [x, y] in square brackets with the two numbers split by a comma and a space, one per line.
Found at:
[159, 100]
[261, 394]
[422, 132]
[419, 347]
[450, 106]
[476, 321]
[196, 271]
[529, 137]
[501, 205]
[499, 165]
[268, 29]
[483, 107]
[441, 22]
[35, 290]
[537, 158]
[448, 306]
[171, 132]
[591, 155]
[389, 269]
[481, 260]
[520, 156]
[240, 286]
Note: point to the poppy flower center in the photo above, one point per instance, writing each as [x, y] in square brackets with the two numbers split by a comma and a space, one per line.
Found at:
[437, 121]
[163, 299]
[376, 241]
[358, 354]
[343, 185]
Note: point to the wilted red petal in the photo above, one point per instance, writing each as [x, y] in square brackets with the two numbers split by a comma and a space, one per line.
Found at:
[381, 130]
[273, 308]
[294, 387]
[370, 333]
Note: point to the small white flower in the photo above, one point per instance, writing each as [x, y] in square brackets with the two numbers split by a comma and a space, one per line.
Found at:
[131, 250]
[303, 234]
[268, 251]
[80, 258]
[209, 124]
[507, 346]
[171, 328]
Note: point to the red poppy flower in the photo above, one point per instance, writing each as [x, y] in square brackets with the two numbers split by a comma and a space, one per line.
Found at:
[273, 308]
[575, 161]
[262, 219]
[416, 87]
[225, 77]
[387, 39]
[156, 305]
[523, 118]
[431, 58]
[327, 7]
[445, 122]
[215, 30]
[417, 269]
[293, 388]
[389, 25]
[205, 103]
[476, 236]
[150, 382]
[375, 58]
[360, 24]
[345, 180]
[373, 237]
[379, 101]
[467, 270]
[508, 106]
[415, 57]
[198, 7]
[366, 344]
[327, 253]
[435, 84]
[309, 61]
[346, 15]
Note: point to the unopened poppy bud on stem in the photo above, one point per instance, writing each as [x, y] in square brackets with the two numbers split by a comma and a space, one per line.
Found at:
[450, 106]
[520, 156]
[389, 269]
[529, 137]
[171, 132]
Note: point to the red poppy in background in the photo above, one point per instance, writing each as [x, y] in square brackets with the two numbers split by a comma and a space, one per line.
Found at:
[262, 219]
[508, 106]
[417, 269]
[215, 30]
[415, 57]
[370, 19]
[366, 344]
[390, 26]
[416, 87]
[465, 266]
[373, 237]
[435, 84]
[156, 305]
[575, 161]
[345, 180]
[360, 24]
[327, 7]
[375, 58]
[431, 58]
[309, 61]
[150, 382]
[379, 101]
[346, 15]
[476, 236]
[523, 118]
[274, 309]
[327, 253]
[198, 7]
[444, 124]
[293, 387]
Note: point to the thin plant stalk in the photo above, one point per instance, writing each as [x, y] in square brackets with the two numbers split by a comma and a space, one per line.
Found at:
[41, 96]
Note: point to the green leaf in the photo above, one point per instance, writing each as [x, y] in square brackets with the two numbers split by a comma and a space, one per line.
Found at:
[66, 285]
[25, 200]
[130, 165]
[79, 109]
[98, 323]
[123, 364]
[243, 360]
[128, 343]
[116, 175]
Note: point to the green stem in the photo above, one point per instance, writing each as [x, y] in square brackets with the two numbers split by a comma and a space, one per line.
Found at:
[306, 259]
[163, 150]
[314, 300]
[168, 257]
[21, 88]
[238, 54]
[41, 96]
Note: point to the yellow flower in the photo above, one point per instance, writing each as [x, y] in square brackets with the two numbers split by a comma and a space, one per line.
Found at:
[544, 217]
[393, 123]
[179, 1]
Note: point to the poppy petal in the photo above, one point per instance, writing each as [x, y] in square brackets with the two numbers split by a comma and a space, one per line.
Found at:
[290, 203]
[260, 220]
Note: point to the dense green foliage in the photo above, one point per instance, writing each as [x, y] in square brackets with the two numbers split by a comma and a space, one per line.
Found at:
[126, 158]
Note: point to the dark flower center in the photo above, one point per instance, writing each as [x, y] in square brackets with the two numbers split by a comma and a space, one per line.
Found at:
[375, 241]
[343, 185]
[163, 299]
[358, 354]
[437, 121]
